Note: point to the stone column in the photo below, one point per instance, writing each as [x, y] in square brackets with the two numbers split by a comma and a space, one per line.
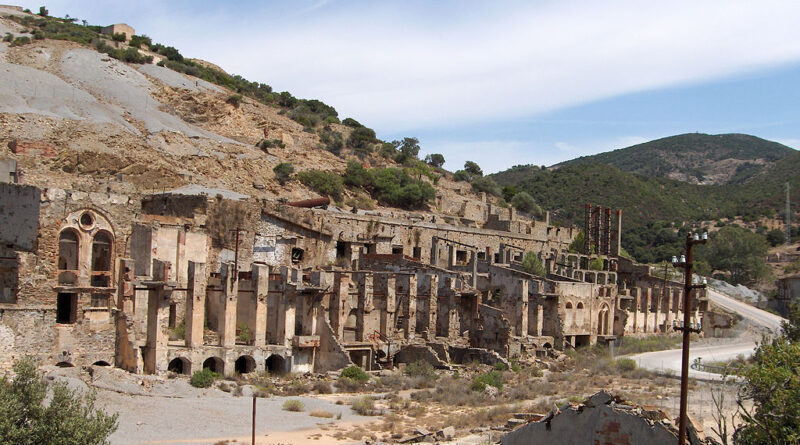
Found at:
[158, 298]
[433, 305]
[522, 308]
[195, 304]
[636, 308]
[387, 285]
[539, 319]
[125, 292]
[365, 305]
[473, 262]
[260, 277]
[435, 251]
[411, 306]
[648, 294]
[227, 322]
[451, 256]
[289, 303]
[341, 288]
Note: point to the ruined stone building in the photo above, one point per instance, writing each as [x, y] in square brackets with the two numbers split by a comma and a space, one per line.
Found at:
[204, 278]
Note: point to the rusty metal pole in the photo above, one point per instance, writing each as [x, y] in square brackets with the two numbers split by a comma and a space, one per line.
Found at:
[687, 304]
[254, 420]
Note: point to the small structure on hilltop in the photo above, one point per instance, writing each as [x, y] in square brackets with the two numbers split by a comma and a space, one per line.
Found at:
[602, 418]
[119, 28]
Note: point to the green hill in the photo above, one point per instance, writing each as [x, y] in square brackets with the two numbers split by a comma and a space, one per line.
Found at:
[695, 157]
[653, 206]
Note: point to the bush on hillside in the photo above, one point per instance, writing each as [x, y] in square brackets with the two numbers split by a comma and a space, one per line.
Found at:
[322, 182]
[486, 185]
[533, 265]
[481, 381]
[283, 172]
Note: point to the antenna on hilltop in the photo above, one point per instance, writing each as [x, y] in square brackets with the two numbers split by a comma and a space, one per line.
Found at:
[788, 217]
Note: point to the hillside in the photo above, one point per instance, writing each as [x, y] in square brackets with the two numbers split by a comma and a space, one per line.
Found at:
[653, 207]
[81, 109]
[695, 158]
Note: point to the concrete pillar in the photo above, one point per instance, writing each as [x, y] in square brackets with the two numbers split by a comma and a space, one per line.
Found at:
[195, 304]
[522, 308]
[635, 295]
[435, 251]
[365, 305]
[473, 262]
[158, 297]
[433, 305]
[388, 285]
[657, 301]
[341, 288]
[648, 294]
[539, 319]
[260, 277]
[125, 291]
[451, 256]
[227, 321]
[411, 306]
[289, 303]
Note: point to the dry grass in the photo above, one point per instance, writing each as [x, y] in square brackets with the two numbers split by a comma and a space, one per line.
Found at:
[321, 413]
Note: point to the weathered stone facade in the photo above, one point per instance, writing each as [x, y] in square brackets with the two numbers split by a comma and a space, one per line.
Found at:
[178, 282]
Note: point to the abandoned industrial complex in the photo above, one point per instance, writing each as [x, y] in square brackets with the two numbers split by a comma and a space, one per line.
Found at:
[199, 277]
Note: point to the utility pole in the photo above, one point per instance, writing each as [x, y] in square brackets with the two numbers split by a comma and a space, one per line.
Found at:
[788, 225]
[687, 263]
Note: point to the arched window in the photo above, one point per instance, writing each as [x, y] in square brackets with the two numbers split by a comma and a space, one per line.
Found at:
[68, 250]
[101, 253]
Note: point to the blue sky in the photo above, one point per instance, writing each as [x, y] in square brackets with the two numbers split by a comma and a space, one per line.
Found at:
[503, 83]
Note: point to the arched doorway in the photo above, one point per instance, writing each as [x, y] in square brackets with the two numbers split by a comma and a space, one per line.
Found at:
[180, 365]
[101, 259]
[214, 364]
[101, 363]
[602, 321]
[65, 365]
[276, 364]
[244, 364]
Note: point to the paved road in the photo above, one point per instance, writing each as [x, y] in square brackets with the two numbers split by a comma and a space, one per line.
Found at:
[745, 345]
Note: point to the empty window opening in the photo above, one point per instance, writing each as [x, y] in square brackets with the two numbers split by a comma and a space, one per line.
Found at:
[66, 308]
[173, 315]
[397, 250]
[68, 250]
[214, 364]
[482, 256]
[372, 249]
[417, 253]
[461, 256]
[275, 364]
[179, 365]
[87, 220]
[245, 364]
[341, 249]
[297, 255]
[101, 253]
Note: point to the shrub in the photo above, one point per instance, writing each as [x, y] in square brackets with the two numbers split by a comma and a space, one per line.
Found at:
[118, 37]
[243, 334]
[350, 122]
[421, 368]
[321, 413]
[356, 175]
[481, 381]
[283, 172]
[324, 183]
[264, 144]
[596, 264]
[356, 373]
[322, 387]
[234, 99]
[293, 405]
[138, 41]
[523, 201]
[8, 37]
[626, 364]
[533, 265]
[500, 366]
[346, 384]
[364, 406]
[395, 187]
[361, 138]
[203, 378]
[486, 185]
[70, 417]
[21, 40]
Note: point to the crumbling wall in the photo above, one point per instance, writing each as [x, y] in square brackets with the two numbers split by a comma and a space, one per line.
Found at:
[331, 356]
[19, 216]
